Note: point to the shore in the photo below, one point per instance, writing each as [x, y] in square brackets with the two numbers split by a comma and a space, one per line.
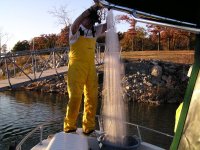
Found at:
[148, 81]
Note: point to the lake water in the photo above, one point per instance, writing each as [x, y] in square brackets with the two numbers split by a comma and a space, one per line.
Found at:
[22, 111]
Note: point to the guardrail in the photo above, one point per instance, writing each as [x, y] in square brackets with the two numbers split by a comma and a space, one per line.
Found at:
[32, 63]
[41, 127]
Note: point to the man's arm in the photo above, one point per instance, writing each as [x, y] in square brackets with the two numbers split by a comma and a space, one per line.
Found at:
[85, 14]
[78, 21]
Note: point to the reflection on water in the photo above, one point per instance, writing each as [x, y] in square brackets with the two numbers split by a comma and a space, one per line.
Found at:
[22, 111]
[159, 118]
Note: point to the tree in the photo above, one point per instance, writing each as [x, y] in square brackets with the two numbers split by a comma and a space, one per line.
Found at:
[132, 30]
[3, 41]
[62, 15]
[4, 48]
[126, 42]
[51, 40]
[63, 37]
[130, 42]
[185, 40]
[44, 41]
[139, 38]
[63, 19]
[21, 46]
[155, 32]
[170, 38]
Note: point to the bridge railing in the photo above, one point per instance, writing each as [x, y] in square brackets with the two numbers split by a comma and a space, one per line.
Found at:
[32, 64]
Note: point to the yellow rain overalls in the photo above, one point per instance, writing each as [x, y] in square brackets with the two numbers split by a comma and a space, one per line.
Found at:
[81, 78]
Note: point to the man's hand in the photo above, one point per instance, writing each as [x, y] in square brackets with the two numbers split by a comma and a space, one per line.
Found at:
[95, 7]
[96, 1]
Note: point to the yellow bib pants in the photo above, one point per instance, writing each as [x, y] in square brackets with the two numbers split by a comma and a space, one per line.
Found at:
[81, 78]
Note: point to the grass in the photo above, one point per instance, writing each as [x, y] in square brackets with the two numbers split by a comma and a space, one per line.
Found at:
[182, 57]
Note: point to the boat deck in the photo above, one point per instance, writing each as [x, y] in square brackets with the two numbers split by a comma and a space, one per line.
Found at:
[79, 141]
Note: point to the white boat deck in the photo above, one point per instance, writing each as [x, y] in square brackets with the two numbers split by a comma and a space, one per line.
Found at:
[78, 141]
[69, 141]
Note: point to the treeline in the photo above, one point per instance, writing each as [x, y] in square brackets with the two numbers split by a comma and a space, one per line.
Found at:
[154, 37]
[44, 41]
[136, 38]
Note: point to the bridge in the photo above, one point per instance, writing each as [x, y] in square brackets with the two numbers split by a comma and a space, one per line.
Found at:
[22, 68]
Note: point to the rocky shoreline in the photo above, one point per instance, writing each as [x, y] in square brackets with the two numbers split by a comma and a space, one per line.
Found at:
[148, 81]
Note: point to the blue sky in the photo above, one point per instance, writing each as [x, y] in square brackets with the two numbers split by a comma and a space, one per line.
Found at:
[25, 19]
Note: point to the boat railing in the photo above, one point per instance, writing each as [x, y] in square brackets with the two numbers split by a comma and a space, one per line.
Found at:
[41, 127]
[146, 128]
[149, 18]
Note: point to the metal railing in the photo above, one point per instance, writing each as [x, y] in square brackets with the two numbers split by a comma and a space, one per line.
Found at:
[143, 127]
[99, 118]
[33, 63]
[29, 63]
[40, 128]
[135, 13]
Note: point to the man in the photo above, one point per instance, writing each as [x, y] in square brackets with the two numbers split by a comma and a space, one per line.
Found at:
[82, 77]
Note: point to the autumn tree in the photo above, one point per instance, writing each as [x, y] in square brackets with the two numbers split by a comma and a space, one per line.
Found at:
[63, 37]
[130, 33]
[44, 41]
[127, 42]
[168, 38]
[184, 40]
[21, 46]
[135, 38]
[155, 34]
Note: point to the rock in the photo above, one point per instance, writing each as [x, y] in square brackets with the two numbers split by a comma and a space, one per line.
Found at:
[164, 77]
[154, 86]
[147, 83]
[156, 71]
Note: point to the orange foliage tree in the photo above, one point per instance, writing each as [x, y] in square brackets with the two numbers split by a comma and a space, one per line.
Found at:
[170, 38]
[63, 37]
[135, 37]
[154, 37]
[43, 42]
[46, 41]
